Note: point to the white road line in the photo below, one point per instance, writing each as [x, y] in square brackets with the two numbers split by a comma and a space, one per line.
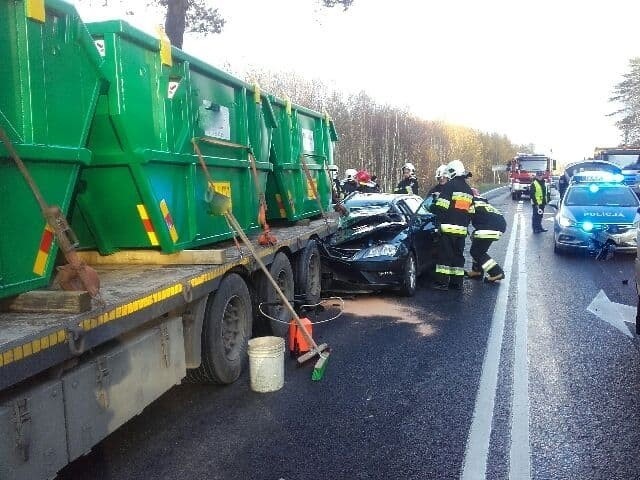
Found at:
[520, 454]
[477, 448]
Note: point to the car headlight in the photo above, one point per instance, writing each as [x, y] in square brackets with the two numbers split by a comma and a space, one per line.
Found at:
[565, 221]
[384, 250]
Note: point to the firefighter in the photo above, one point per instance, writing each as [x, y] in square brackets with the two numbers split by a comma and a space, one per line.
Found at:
[409, 182]
[441, 178]
[365, 185]
[489, 225]
[538, 193]
[453, 210]
[349, 184]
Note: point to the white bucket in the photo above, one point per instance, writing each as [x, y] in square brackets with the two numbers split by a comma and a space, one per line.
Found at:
[266, 363]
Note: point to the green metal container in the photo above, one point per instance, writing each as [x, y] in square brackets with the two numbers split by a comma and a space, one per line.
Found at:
[51, 78]
[303, 137]
[145, 187]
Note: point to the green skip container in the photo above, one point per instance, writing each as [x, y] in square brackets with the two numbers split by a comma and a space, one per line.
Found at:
[145, 187]
[304, 138]
[51, 79]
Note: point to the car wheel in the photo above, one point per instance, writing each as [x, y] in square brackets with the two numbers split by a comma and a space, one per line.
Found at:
[308, 272]
[410, 276]
[514, 196]
[556, 249]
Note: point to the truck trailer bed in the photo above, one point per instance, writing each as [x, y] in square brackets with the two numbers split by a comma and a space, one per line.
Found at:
[133, 294]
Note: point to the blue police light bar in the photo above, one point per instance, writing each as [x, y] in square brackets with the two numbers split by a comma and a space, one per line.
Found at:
[597, 177]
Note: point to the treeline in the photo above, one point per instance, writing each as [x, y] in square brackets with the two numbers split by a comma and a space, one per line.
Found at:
[381, 138]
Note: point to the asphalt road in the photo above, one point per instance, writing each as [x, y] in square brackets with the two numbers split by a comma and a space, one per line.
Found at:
[516, 381]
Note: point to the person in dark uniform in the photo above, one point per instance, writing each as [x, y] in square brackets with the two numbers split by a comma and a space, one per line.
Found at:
[453, 211]
[409, 182]
[489, 225]
[349, 184]
[441, 178]
[365, 185]
[538, 192]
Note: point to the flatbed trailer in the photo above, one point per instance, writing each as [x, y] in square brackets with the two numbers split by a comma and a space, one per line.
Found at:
[69, 380]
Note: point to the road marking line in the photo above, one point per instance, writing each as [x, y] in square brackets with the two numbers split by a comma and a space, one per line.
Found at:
[520, 453]
[477, 448]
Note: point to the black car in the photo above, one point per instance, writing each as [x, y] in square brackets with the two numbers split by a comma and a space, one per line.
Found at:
[583, 166]
[385, 243]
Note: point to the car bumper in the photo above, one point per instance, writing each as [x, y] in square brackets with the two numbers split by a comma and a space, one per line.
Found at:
[380, 273]
[575, 237]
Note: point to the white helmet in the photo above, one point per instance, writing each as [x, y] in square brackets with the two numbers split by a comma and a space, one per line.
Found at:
[410, 167]
[441, 171]
[455, 168]
[350, 174]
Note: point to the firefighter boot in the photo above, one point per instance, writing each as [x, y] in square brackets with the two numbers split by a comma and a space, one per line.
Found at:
[475, 273]
[495, 274]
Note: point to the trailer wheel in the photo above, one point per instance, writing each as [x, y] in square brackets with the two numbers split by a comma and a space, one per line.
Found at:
[308, 273]
[225, 333]
[281, 271]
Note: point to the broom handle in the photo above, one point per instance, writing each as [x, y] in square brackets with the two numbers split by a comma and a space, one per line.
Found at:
[276, 287]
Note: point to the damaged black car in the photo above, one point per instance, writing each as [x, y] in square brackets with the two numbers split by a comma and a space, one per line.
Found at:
[384, 243]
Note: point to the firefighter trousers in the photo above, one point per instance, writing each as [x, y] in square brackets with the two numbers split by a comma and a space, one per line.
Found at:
[482, 262]
[450, 266]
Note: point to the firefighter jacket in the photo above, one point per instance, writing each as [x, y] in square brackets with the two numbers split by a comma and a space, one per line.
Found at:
[407, 185]
[454, 206]
[487, 221]
[538, 192]
[436, 189]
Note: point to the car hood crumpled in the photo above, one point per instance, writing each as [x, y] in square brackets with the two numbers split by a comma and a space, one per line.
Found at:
[379, 227]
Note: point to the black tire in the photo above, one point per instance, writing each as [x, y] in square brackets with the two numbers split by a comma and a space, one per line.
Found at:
[410, 276]
[226, 330]
[514, 196]
[281, 271]
[308, 273]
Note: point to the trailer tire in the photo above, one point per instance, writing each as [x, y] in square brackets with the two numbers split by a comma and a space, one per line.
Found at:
[281, 271]
[225, 333]
[308, 273]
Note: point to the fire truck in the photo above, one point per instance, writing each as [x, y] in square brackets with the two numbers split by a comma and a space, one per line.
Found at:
[522, 169]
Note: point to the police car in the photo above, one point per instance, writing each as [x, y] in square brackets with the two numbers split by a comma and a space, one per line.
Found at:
[598, 210]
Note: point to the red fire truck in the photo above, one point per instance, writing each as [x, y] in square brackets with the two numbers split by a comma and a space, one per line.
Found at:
[522, 169]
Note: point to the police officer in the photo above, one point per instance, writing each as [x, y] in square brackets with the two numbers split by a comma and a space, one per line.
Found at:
[409, 182]
[441, 178]
[453, 210]
[538, 193]
[489, 225]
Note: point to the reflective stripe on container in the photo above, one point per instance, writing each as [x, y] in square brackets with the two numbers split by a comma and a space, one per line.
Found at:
[40, 265]
[148, 226]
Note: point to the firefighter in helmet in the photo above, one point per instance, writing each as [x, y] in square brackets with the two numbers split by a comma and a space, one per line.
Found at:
[441, 178]
[409, 182]
[453, 210]
[365, 185]
[349, 184]
[489, 225]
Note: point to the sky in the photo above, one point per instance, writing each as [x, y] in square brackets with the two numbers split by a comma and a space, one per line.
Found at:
[539, 72]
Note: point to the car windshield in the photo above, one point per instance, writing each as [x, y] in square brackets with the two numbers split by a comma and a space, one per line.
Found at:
[601, 196]
[533, 165]
[376, 205]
